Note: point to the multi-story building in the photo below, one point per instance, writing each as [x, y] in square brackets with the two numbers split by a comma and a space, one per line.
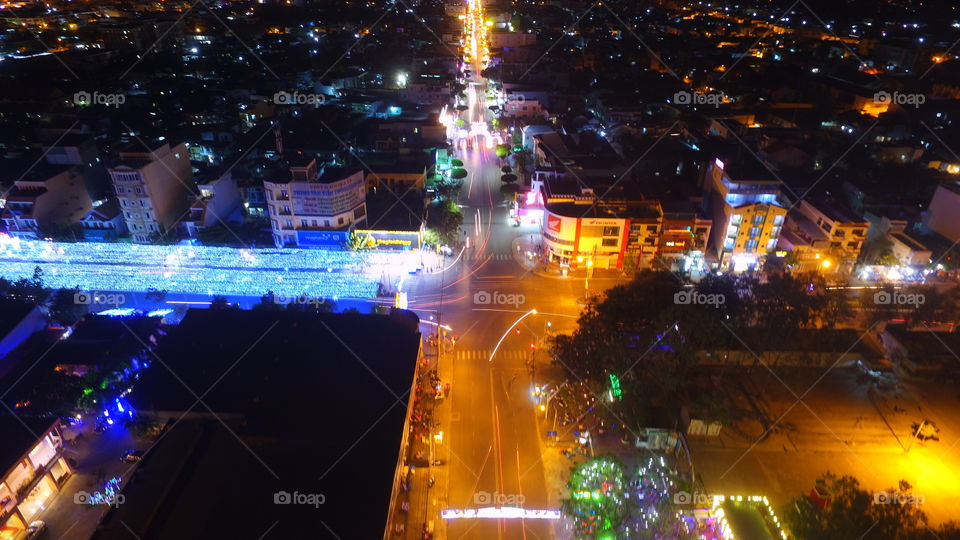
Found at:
[581, 230]
[590, 233]
[747, 213]
[154, 188]
[908, 251]
[398, 177]
[684, 232]
[306, 205]
[36, 472]
[45, 198]
[943, 211]
[844, 233]
[218, 203]
[104, 221]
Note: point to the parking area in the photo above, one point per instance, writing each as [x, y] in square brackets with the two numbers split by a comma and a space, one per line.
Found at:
[845, 423]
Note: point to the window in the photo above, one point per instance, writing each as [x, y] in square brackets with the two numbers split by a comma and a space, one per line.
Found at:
[339, 221]
[778, 220]
[651, 228]
[754, 232]
[610, 242]
[611, 231]
[751, 245]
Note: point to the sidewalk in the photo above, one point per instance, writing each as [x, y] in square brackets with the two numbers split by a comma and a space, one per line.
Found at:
[425, 501]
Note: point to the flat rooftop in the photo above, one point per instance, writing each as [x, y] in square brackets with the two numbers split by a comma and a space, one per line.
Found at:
[305, 402]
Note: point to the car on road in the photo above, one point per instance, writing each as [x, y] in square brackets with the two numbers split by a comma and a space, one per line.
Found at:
[35, 530]
[132, 456]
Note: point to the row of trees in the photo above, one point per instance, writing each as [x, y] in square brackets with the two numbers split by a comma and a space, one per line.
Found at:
[650, 331]
[849, 511]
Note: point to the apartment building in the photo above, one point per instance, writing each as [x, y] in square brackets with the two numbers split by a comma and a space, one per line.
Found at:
[582, 231]
[307, 205]
[43, 199]
[748, 213]
[154, 188]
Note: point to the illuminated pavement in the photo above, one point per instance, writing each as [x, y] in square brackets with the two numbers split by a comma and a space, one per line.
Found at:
[204, 270]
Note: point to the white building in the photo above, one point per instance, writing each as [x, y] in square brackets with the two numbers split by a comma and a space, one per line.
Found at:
[943, 215]
[306, 204]
[153, 188]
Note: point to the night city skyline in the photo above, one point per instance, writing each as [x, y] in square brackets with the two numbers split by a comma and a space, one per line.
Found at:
[479, 269]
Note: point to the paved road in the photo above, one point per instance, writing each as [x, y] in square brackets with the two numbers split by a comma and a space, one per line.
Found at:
[491, 438]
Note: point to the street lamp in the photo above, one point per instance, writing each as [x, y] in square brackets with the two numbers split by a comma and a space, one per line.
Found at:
[504, 336]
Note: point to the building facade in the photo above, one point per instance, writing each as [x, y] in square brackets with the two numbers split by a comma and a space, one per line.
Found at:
[306, 205]
[747, 216]
[49, 196]
[154, 189]
[33, 479]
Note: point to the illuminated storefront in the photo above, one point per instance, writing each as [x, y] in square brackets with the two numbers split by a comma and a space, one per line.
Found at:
[33, 481]
[634, 235]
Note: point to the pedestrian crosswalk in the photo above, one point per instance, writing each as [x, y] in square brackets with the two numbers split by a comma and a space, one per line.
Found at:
[499, 256]
[502, 354]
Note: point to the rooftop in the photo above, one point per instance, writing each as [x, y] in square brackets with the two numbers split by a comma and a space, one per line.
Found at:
[285, 374]
[12, 312]
[18, 435]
